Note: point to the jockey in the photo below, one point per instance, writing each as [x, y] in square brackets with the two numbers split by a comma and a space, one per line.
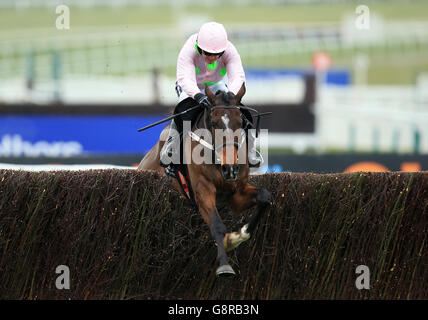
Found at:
[205, 59]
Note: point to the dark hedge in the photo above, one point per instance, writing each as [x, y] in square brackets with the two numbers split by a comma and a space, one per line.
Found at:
[126, 234]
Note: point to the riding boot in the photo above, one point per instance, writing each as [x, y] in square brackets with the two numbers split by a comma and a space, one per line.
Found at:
[254, 161]
[169, 151]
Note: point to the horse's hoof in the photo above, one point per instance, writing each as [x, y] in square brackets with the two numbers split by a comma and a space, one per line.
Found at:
[225, 271]
[234, 239]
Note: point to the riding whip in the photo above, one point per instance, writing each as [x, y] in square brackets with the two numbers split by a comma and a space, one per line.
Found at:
[169, 118]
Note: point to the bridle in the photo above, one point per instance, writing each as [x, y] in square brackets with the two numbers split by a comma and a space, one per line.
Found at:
[209, 125]
[246, 124]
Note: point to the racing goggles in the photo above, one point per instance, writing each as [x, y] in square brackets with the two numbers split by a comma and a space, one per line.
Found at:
[209, 54]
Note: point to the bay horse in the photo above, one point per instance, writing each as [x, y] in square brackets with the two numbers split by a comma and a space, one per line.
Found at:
[222, 182]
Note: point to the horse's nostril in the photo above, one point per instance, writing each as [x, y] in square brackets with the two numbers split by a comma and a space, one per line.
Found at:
[230, 173]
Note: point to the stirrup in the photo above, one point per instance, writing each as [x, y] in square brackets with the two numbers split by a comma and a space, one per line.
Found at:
[163, 165]
[171, 171]
[256, 165]
[168, 149]
[169, 154]
[259, 160]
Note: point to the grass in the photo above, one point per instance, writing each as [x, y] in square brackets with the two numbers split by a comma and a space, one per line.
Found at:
[393, 66]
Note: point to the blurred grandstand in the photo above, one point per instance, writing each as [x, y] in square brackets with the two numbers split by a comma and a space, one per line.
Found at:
[374, 97]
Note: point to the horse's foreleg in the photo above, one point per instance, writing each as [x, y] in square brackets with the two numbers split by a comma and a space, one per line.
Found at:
[218, 231]
[234, 239]
[205, 197]
[242, 201]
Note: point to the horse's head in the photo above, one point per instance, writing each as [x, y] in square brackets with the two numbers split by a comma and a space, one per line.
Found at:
[226, 124]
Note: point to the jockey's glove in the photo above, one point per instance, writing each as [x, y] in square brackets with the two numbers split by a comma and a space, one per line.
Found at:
[202, 100]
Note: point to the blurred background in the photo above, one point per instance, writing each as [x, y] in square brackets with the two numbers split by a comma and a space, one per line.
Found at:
[347, 82]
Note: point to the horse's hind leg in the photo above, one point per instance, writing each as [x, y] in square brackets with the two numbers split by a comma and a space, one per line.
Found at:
[264, 200]
[242, 201]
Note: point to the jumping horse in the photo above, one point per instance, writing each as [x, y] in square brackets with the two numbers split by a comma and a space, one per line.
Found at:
[225, 180]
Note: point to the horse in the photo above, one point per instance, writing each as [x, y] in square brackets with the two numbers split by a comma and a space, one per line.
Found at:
[222, 182]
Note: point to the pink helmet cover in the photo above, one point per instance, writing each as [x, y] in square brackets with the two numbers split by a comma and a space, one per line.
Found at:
[212, 37]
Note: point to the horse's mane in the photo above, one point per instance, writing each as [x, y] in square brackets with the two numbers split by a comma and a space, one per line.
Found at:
[226, 97]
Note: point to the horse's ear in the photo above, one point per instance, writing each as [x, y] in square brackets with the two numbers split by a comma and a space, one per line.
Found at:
[209, 94]
[241, 93]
